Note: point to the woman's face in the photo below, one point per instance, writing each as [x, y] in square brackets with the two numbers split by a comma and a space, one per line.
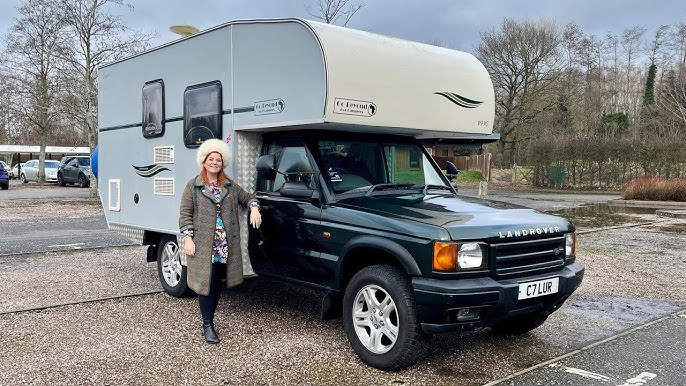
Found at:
[213, 163]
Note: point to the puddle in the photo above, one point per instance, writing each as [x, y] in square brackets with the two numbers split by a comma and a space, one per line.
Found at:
[602, 215]
[673, 228]
[621, 310]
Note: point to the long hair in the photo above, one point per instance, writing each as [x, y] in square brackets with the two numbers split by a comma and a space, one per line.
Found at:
[221, 176]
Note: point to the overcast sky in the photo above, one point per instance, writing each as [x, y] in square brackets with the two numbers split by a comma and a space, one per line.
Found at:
[454, 23]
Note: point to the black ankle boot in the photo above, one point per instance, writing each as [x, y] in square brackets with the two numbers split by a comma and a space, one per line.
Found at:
[209, 333]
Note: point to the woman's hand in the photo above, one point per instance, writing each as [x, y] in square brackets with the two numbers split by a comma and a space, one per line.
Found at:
[255, 217]
[188, 246]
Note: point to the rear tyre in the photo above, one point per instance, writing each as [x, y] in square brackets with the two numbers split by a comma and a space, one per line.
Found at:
[169, 269]
[60, 180]
[380, 318]
[83, 181]
[519, 325]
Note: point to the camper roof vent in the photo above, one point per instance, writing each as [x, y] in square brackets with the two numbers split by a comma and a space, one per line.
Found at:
[163, 155]
[164, 186]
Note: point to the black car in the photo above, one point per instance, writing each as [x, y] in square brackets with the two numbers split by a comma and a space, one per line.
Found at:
[74, 170]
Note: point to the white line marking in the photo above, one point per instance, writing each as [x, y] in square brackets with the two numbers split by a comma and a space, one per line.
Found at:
[586, 374]
[640, 379]
[75, 245]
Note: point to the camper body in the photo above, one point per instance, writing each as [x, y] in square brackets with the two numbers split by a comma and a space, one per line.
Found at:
[327, 127]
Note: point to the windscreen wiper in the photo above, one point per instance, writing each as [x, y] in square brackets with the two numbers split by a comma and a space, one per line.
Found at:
[437, 187]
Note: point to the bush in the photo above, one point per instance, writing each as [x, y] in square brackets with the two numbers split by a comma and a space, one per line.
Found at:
[467, 176]
[656, 189]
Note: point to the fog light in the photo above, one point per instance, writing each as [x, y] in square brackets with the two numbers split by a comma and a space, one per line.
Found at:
[468, 314]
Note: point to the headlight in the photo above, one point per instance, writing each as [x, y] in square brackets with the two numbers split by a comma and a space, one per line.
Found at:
[570, 244]
[470, 255]
[451, 257]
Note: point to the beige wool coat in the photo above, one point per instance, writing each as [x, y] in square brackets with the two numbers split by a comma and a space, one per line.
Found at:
[198, 212]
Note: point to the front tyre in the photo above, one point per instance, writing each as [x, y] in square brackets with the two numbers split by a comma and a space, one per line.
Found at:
[60, 180]
[380, 318]
[169, 269]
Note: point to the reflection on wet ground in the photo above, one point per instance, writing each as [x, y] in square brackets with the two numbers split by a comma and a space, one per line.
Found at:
[603, 215]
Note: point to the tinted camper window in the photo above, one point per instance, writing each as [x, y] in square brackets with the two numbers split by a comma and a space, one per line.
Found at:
[153, 109]
[202, 113]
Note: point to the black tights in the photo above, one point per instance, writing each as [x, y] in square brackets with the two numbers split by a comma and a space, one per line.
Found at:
[208, 304]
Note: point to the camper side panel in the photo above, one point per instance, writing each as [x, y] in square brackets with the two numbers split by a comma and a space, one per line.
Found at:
[142, 179]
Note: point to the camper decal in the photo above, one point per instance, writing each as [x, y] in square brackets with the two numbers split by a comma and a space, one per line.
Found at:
[354, 107]
[459, 100]
[272, 106]
[149, 170]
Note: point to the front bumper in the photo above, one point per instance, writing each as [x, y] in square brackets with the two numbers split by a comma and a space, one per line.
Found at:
[438, 301]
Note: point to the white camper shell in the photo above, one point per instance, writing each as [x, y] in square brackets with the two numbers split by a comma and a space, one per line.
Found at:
[254, 76]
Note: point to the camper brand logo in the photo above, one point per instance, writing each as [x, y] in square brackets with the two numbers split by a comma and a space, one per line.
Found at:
[272, 106]
[459, 100]
[149, 170]
[529, 232]
[354, 107]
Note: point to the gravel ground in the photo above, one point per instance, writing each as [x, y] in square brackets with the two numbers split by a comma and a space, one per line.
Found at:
[272, 334]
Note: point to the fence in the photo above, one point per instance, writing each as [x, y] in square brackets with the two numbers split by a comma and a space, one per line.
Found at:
[480, 162]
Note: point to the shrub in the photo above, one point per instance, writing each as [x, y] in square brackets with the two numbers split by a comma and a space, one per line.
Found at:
[656, 189]
[467, 176]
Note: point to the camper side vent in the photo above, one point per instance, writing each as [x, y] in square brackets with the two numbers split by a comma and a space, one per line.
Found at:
[164, 186]
[163, 155]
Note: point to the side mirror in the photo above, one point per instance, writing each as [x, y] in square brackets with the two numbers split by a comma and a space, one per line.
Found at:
[298, 189]
[265, 167]
[451, 170]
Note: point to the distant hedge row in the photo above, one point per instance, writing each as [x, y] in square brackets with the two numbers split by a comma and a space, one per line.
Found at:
[604, 163]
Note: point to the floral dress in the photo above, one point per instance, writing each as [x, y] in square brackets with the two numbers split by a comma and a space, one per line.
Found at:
[220, 250]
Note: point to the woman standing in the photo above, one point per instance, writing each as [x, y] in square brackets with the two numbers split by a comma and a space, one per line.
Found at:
[209, 220]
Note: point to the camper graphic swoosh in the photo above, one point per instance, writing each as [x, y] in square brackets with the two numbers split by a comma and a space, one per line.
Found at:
[149, 170]
[459, 100]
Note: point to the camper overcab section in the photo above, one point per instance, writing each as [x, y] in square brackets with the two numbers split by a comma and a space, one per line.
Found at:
[327, 127]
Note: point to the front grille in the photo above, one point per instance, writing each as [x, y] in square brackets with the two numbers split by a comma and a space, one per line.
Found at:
[528, 257]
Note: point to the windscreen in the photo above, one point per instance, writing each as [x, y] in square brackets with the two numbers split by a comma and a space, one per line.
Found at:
[356, 166]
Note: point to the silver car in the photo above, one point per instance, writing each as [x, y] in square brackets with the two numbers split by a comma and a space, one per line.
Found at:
[30, 171]
[15, 170]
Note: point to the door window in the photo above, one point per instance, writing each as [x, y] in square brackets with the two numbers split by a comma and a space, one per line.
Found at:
[153, 109]
[292, 164]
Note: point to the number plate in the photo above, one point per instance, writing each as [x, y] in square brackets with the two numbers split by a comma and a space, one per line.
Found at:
[538, 288]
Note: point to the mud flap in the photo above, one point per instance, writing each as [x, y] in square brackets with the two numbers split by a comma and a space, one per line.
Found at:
[152, 253]
[332, 306]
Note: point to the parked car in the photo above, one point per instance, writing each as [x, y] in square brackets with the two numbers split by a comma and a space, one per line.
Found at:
[5, 167]
[14, 173]
[30, 171]
[4, 178]
[74, 170]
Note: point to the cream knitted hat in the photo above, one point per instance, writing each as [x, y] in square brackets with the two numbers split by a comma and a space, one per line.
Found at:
[213, 146]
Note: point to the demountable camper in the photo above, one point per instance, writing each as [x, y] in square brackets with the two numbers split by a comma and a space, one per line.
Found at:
[240, 79]
[396, 251]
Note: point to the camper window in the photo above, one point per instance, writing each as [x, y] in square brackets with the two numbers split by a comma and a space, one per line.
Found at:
[153, 109]
[202, 113]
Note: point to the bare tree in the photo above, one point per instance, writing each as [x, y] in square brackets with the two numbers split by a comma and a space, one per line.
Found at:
[35, 43]
[332, 11]
[100, 37]
[657, 49]
[523, 61]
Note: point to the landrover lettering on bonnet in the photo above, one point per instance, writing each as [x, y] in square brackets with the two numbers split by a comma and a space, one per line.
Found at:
[529, 232]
